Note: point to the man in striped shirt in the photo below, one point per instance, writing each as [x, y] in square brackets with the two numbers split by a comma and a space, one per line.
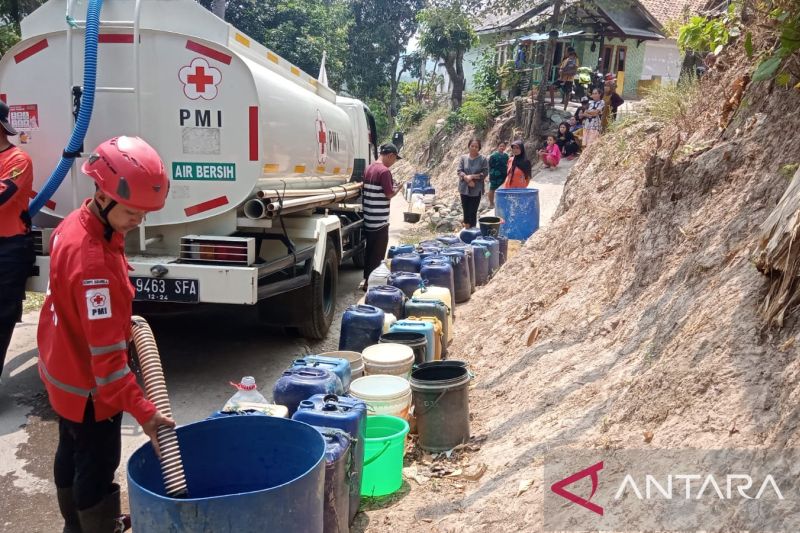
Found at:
[379, 189]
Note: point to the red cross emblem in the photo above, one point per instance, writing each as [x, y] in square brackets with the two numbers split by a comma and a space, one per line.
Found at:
[200, 80]
[98, 300]
[322, 139]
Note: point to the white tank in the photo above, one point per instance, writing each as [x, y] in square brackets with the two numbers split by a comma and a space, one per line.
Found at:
[227, 115]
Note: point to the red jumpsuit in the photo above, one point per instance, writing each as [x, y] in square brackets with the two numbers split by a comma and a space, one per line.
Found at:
[84, 328]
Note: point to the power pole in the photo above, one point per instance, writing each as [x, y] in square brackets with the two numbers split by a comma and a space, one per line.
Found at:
[538, 113]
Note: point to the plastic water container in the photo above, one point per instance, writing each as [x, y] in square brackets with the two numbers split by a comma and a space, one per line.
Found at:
[519, 208]
[438, 330]
[415, 326]
[469, 253]
[388, 321]
[390, 299]
[461, 278]
[448, 239]
[438, 294]
[248, 409]
[407, 282]
[379, 276]
[336, 502]
[390, 359]
[503, 241]
[420, 181]
[437, 308]
[417, 341]
[383, 459]
[409, 262]
[354, 358]
[298, 384]
[400, 249]
[362, 326]
[480, 254]
[493, 246]
[438, 272]
[339, 366]
[469, 234]
[346, 414]
[441, 406]
[246, 393]
[383, 394]
[239, 469]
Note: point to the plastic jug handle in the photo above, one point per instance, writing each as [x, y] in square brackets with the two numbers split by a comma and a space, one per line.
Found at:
[375, 457]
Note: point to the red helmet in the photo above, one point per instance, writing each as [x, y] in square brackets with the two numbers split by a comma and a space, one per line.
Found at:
[130, 171]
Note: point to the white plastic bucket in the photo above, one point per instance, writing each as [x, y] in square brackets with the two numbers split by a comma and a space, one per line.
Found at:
[389, 359]
[383, 394]
[356, 362]
[388, 321]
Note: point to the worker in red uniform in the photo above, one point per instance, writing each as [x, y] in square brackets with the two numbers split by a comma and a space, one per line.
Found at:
[16, 243]
[85, 329]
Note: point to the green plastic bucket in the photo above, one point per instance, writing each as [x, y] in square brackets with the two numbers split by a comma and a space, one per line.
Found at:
[383, 455]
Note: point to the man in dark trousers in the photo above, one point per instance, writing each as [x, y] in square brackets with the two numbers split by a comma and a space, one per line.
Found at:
[379, 189]
[85, 329]
[16, 243]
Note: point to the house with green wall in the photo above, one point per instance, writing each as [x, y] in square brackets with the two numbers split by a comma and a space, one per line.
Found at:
[611, 35]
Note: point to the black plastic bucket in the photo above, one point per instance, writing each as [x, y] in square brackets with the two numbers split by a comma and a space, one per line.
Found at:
[490, 226]
[434, 364]
[441, 405]
[417, 341]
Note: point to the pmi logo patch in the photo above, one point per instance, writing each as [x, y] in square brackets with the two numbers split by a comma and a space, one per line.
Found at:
[98, 304]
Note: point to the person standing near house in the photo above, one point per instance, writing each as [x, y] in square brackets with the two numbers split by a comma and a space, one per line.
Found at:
[498, 166]
[16, 242]
[566, 74]
[472, 171]
[379, 189]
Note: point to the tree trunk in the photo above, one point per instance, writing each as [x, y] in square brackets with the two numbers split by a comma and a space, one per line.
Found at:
[219, 8]
[454, 64]
[538, 112]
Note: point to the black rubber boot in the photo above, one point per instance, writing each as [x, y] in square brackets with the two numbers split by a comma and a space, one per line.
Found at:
[103, 517]
[66, 503]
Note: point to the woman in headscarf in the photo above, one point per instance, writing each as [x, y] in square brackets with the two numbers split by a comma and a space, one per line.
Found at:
[519, 168]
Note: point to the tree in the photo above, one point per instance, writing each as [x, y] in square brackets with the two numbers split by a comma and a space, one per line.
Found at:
[11, 14]
[446, 34]
[378, 38]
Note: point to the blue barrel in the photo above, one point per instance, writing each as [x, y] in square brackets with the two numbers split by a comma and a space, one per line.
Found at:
[469, 234]
[520, 210]
[469, 253]
[336, 506]
[409, 262]
[503, 241]
[407, 282]
[448, 239]
[362, 326]
[401, 249]
[438, 271]
[241, 471]
[481, 257]
[337, 365]
[493, 246]
[298, 384]
[386, 297]
[347, 414]
[461, 279]
[420, 181]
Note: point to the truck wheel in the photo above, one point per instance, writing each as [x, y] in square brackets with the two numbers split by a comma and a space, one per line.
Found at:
[323, 296]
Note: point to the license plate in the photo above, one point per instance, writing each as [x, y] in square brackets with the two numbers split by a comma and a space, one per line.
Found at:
[165, 290]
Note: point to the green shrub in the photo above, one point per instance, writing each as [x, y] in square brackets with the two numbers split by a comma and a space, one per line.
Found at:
[476, 112]
[453, 121]
[410, 115]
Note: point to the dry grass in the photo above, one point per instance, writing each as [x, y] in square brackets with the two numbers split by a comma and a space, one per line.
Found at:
[33, 301]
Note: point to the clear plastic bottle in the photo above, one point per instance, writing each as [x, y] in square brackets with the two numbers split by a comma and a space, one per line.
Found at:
[379, 276]
[247, 393]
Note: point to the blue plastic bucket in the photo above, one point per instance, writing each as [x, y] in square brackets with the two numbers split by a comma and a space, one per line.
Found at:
[519, 208]
[244, 473]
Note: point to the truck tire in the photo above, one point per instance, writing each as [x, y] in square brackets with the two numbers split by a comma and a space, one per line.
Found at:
[323, 296]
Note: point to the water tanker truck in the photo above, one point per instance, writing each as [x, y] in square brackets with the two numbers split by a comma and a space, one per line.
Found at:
[265, 162]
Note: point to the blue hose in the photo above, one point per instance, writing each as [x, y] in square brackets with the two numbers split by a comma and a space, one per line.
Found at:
[85, 112]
